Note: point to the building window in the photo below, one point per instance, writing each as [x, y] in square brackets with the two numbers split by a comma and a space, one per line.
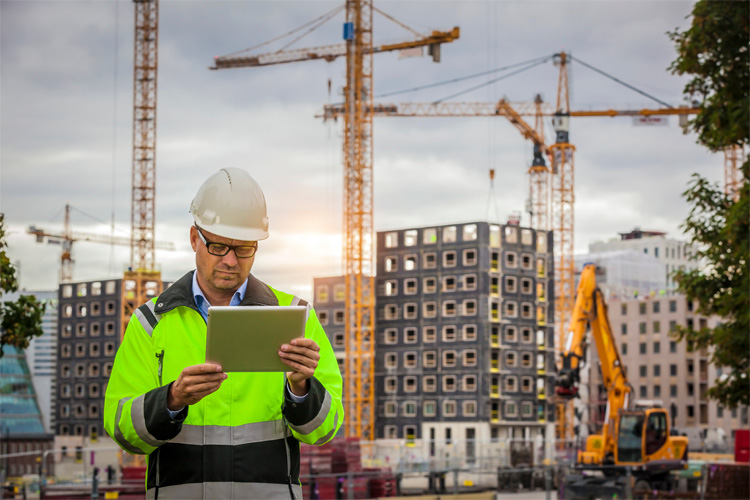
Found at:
[410, 335]
[391, 311]
[409, 410]
[65, 411]
[449, 308]
[338, 340]
[67, 291]
[390, 432]
[642, 308]
[642, 370]
[391, 385]
[428, 408]
[449, 383]
[80, 350]
[94, 349]
[65, 391]
[623, 309]
[410, 286]
[339, 292]
[410, 310]
[429, 359]
[67, 311]
[449, 359]
[510, 334]
[510, 409]
[449, 234]
[470, 232]
[469, 332]
[526, 336]
[470, 358]
[81, 330]
[469, 282]
[643, 391]
[624, 329]
[429, 334]
[510, 359]
[642, 348]
[527, 311]
[96, 308]
[509, 309]
[673, 391]
[469, 383]
[449, 259]
[109, 308]
[494, 236]
[657, 347]
[449, 284]
[449, 333]
[323, 317]
[109, 328]
[410, 263]
[526, 286]
[469, 307]
[93, 410]
[541, 268]
[390, 288]
[95, 329]
[469, 408]
[321, 294]
[527, 262]
[410, 359]
[429, 383]
[510, 260]
[449, 409]
[80, 391]
[470, 257]
[109, 348]
[391, 264]
[410, 384]
[391, 336]
[429, 309]
[657, 326]
[656, 306]
[642, 327]
[672, 346]
[526, 360]
[107, 369]
[429, 260]
[391, 240]
[410, 238]
[429, 236]
[527, 384]
[624, 348]
[541, 242]
[511, 234]
[391, 360]
[81, 290]
[511, 284]
[67, 331]
[672, 306]
[430, 285]
[390, 409]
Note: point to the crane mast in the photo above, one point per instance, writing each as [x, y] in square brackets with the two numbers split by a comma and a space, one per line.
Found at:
[142, 281]
[359, 393]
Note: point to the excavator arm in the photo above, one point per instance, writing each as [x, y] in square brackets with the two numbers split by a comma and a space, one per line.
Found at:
[590, 312]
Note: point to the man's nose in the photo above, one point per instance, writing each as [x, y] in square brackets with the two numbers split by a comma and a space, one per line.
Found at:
[230, 258]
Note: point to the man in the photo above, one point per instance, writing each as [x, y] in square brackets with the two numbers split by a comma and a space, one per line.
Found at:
[210, 434]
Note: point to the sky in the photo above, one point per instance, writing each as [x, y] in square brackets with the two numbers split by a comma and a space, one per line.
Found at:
[66, 83]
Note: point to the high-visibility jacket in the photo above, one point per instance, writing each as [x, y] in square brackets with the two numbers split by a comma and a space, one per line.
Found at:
[241, 441]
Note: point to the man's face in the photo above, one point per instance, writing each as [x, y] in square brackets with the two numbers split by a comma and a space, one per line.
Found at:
[220, 274]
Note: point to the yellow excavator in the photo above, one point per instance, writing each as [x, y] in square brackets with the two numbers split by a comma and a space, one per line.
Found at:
[635, 439]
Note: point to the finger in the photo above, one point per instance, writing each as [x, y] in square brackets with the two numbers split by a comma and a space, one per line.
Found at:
[303, 342]
[305, 360]
[210, 377]
[299, 368]
[307, 352]
[202, 368]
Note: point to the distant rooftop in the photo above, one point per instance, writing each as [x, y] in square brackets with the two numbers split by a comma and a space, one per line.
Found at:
[637, 234]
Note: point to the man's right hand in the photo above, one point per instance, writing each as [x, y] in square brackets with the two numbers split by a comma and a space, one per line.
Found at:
[194, 383]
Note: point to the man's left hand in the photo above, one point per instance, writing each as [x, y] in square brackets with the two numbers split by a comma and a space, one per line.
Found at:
[302, 355]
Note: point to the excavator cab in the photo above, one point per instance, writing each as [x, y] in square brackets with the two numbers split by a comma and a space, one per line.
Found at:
[643, 438]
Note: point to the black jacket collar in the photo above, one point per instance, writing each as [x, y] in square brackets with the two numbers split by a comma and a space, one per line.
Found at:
[181, 294]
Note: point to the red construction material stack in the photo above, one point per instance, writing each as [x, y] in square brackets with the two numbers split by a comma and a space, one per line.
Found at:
[382, 483]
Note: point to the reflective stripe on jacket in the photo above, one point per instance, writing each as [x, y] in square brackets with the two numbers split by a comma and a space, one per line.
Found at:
[242, 441]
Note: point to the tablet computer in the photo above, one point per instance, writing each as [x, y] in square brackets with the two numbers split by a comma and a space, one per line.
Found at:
[248, 338]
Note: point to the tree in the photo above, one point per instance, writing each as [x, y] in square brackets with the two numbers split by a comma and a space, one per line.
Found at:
[714, 51]
[20, 320]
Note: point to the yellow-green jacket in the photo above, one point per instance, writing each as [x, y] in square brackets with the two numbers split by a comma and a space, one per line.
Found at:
[241, 441]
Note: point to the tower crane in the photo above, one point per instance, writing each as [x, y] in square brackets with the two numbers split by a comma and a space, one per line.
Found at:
[68, 237]
[359, 392]
[143, 280]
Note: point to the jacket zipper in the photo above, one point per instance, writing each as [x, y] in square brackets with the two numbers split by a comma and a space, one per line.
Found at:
[286, 443]
[160, 357]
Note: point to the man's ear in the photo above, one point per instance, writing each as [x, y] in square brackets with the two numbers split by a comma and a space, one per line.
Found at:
[194, 238]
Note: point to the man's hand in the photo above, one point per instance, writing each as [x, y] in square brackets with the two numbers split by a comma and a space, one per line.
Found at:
[194, 383]
[302, 355]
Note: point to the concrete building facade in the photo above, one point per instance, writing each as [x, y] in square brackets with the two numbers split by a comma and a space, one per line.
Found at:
[464, 333]
[41, 356]
[89, 335]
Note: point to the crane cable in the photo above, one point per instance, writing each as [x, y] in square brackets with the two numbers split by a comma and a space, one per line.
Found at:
[631, 87]
[462, 78]
[325, 17]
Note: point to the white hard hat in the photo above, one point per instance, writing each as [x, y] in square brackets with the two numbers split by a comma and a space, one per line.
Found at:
[231, 204]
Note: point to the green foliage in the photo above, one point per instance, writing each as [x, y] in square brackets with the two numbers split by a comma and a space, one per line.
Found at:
[714, 51]
[20, 321]
[720, 228]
